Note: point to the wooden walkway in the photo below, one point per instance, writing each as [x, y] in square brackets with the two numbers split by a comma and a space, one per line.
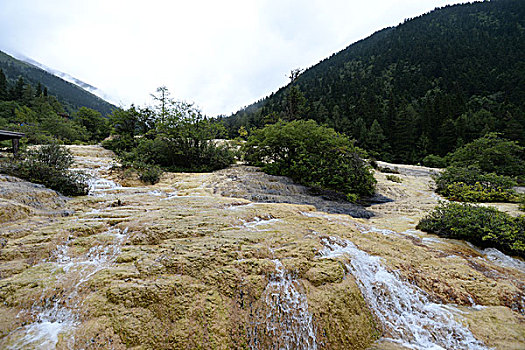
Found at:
[13, 136]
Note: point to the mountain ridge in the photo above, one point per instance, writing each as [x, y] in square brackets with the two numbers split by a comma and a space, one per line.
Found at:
[70, 91]
[426, 86]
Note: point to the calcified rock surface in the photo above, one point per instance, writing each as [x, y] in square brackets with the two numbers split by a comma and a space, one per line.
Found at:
[251, 183]
[178, 265]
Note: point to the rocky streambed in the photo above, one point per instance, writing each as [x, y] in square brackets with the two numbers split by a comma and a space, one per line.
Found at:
[207, 261]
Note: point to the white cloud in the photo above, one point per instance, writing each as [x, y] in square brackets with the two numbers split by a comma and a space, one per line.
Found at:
[220, 54]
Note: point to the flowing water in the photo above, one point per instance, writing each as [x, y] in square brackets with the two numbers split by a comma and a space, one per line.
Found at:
[405, 312]
[56, 316]
[267, 315]
[284, 322]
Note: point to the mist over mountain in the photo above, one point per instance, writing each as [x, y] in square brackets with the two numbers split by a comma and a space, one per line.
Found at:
[71, 92]
[427, 86]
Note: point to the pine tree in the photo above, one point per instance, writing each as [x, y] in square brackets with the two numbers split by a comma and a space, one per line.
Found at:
[17, 92]
[38, 92]
[376, 138]
[359, 132]
[3, 86]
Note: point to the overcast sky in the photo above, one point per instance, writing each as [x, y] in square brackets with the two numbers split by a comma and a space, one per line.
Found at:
[220, 54]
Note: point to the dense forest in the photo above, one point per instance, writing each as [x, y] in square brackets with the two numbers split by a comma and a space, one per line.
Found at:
[427, 86]
[69, 95]
[31, 109]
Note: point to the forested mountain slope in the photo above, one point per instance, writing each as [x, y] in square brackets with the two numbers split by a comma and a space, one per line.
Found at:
[70, 95]
[427, 86]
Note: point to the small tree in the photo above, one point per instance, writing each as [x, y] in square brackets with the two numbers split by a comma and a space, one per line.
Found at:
[95, 124]
[310, 154]
[49, 165]
[491, 154]
[295, 101]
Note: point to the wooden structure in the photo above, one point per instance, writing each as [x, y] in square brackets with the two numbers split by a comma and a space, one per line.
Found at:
[13, 136]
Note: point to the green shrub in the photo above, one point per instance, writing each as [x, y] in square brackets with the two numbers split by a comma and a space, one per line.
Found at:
[119, 143]
[491, 154]
[387, 170]
[150, 174]
[434, 161]
[49, 165]
[484, 227]
[459, 191]
[394, 178]
[472, 185]
[312, 155]
[174, 135]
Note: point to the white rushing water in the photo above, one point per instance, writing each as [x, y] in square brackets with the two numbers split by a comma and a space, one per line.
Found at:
[258, 222]
[98, 186]
[55, 316]
[285, 319]
[498, 258]
[407, 315]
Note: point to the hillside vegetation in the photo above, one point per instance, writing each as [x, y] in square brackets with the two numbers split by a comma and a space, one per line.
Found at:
[69, 95]
[427, 86]
[32, 110]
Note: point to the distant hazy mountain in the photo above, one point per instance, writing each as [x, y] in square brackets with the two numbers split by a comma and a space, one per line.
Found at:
[426, 86]
[71, 92]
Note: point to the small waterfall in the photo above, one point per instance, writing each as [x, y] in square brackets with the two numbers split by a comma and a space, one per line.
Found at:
[498, 258]
[404, 310]
[56, 316]
[284, 322]
[99, 186]
[257, 222]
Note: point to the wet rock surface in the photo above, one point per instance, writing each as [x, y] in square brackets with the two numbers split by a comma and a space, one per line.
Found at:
[252, 184]
[19, 199]
[187, 264]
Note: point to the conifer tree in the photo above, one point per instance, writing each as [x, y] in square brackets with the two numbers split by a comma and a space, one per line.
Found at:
[3, 85]
[17, 91]
[376, 138]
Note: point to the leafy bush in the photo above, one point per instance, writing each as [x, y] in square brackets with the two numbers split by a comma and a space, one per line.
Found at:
[310, 154]
[49, 165]
[119, 143]
[434, 161]
[484, 227]
[472, 185]
[174, 135]
[459, 191]
[150, 174]
[491, 154]
[394, 178]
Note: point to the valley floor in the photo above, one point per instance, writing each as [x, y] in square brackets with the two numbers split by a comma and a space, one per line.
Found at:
[198, 261]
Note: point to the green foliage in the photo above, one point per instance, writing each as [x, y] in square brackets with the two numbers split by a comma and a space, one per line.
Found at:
[479, 192]
[434, 161]
[394, 178]
[49, 165]
[149, 173]
[173, 134]
[69, 95]
[310, 154]
[491, 154]
[484, 227]
[427, 86]
[93, 122]
[472, 185]
[43, 118]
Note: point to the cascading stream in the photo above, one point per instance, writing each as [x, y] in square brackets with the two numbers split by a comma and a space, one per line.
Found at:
[284, 322]
[405, 312]
[56, 315]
